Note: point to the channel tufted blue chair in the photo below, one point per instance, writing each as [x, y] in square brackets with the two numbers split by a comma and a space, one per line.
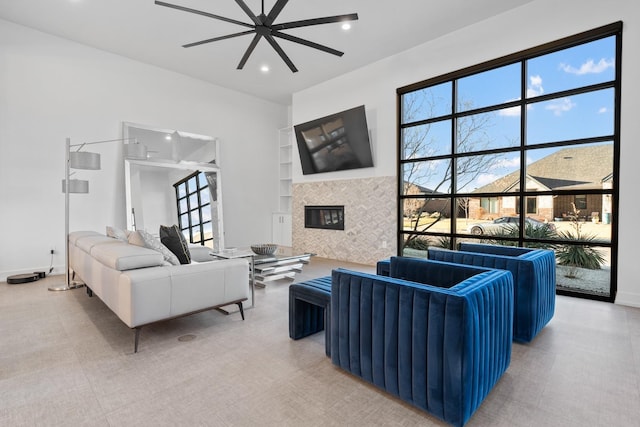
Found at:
[435, 334]
[534, 280]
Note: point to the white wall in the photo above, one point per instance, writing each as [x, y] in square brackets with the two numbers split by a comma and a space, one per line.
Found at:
[531, 25]
[51, 88]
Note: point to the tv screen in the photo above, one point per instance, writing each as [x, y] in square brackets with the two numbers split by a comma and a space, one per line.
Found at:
[336, 142]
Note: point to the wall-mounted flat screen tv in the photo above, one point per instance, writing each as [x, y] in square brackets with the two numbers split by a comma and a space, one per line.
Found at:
[336, 142]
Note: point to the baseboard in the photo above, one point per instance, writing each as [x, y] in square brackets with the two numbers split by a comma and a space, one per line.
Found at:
[628, 298]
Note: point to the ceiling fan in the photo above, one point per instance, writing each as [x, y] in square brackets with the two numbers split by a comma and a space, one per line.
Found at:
[263, 26]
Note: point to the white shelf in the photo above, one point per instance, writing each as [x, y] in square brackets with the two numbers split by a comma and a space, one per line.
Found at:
[285, 171]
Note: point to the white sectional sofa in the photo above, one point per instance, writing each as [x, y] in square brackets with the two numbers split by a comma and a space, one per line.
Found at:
[141, 288]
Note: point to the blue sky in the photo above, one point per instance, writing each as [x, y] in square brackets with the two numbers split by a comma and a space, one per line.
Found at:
[563, 118]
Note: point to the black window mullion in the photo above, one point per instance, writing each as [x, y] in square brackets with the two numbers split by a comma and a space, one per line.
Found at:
[528, 202]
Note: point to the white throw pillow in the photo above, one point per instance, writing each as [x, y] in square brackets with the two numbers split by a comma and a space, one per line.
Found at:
[146, 240]
[117, 233]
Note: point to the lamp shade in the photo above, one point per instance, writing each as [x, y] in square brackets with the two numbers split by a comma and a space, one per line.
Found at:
[76, 186]
[135, 151]
[84, 160]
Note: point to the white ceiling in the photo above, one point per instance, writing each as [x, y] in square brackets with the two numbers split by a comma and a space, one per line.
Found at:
[153, 34]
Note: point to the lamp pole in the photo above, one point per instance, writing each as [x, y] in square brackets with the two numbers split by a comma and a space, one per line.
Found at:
[67, 172]
[68, 285]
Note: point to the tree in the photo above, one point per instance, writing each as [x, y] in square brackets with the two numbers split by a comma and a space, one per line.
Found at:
[435, 176]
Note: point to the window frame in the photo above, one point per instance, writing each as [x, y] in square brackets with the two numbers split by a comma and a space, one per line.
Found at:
[189, 199]
[614, 29]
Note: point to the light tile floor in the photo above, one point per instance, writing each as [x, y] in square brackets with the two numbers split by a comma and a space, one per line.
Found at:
[67, 360]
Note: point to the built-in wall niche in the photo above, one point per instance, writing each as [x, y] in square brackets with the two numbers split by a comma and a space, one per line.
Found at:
[325, 217]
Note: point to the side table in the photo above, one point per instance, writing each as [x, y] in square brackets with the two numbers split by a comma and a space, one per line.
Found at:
[278, 266]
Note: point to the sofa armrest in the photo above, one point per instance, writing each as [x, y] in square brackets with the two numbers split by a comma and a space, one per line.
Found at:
[200, 253]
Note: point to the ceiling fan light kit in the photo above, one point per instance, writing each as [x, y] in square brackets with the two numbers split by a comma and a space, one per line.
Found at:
[263, 26]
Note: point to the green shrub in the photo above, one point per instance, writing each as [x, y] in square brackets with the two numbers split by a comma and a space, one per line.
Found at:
[536, 232]
[583, 256]
[579, 255]
[418, 243]
[444, 242]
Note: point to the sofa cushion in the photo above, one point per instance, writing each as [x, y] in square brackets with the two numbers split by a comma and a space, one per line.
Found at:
[146, 240]
[123, 256]
[172, 238]
[75, 235]
[86, 243]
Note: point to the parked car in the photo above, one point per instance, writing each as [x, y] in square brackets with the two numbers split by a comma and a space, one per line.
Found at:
[504, 223]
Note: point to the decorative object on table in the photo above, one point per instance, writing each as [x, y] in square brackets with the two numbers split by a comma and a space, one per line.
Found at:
[263, 26]
[89, 161]
[264, 248]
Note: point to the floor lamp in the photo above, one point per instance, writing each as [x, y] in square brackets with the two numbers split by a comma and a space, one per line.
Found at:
[89, 161]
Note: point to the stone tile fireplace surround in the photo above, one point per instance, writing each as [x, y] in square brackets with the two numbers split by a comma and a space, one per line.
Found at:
[369, 219]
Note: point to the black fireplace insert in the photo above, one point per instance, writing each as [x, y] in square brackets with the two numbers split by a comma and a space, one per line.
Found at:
[326, 217]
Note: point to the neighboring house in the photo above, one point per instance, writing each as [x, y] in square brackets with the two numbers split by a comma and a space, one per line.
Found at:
[576, 168]
[427, 205]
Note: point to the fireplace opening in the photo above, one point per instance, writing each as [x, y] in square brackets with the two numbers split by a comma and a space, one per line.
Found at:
[325, 217]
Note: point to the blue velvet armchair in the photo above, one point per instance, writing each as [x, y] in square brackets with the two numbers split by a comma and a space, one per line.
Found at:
[534, 276]
[435, 334]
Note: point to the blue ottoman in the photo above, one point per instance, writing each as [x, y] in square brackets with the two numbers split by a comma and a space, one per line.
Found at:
[310, 309]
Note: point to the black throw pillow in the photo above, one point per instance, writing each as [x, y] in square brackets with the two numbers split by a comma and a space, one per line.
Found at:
[172, 238]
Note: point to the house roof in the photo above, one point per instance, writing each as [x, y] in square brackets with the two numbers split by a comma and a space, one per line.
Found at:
[568, 168]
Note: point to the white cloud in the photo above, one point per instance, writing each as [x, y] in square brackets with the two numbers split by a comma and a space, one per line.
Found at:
[589, 67]
[510, 112]
[602, 110]
[513, 162]
[486, 178]
[561, 106]
[535, 86]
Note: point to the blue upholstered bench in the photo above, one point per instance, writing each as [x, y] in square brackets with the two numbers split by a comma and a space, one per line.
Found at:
[437, 335]
[310, 309]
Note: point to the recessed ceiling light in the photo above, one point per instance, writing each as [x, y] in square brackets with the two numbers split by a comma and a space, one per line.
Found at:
[264, 68]
[346, 26]
[167, 137]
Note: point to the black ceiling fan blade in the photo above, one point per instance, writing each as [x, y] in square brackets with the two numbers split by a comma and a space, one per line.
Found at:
[275, 11]
[215, 39]
[249, 50]
[315, 21]
[199, 12]
[249, 12]
[307, 43]
[283, 55]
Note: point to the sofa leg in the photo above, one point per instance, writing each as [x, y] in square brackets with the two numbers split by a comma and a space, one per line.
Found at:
[89, 292]
[241, 309]
[137, 338]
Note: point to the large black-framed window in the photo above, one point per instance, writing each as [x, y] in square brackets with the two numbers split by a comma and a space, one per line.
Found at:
[194, 208]
[533, 137]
